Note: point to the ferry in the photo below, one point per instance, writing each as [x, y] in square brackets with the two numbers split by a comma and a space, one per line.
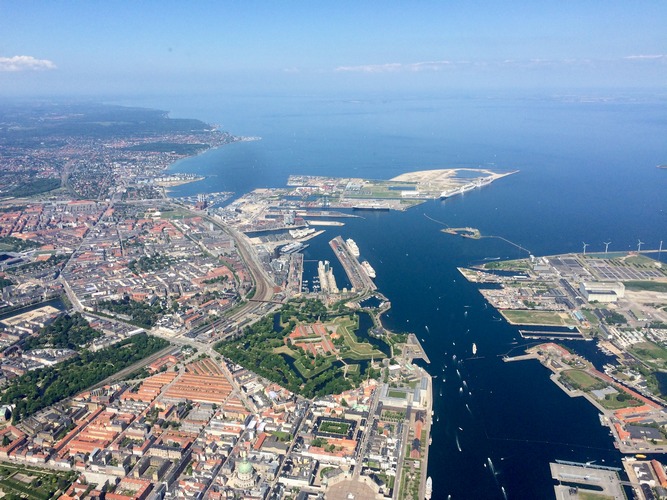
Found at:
[428, 491]
[369, 270]
[352, 247]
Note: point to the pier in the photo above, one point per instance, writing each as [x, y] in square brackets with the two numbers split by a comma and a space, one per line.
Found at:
[552, 335]
[414, 350]
[359, 279]
[523, 357]
[601, 480]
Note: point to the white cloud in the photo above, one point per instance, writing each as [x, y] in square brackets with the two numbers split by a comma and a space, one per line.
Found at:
[519, 64]
[644, 57]
[24, 63]
[396, 67]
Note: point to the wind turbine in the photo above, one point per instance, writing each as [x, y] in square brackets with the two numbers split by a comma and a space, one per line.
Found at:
[585, 245]
[639, 245]
[606, 246]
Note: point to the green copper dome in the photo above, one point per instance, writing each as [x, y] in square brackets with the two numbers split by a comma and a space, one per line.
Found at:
[245, 467]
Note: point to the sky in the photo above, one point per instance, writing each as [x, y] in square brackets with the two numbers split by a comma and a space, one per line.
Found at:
[162, 47]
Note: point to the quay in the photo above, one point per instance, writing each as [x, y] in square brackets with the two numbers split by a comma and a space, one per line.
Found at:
[325, 213]
[359, 279]
[552, 335]
[414, 350]
[582, 479]
[523, 357]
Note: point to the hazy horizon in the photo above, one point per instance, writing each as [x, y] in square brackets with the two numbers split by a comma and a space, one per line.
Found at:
[149, 48]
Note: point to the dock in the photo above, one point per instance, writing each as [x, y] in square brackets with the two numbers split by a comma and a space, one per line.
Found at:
[523, 357]
[359, 279]
[414, 349]
[295, 275]
[575, 480]
[552, 335]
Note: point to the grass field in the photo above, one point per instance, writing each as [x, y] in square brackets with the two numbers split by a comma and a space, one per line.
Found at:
[508, 265]
[283, 349]
[613, 403]
[650, 352]
[589, 495]
[311, 372]
[32, 483]
[646, 286]
[545, 318]
[639, 260]
[581, 379]
[335, 427]
[592, 318]
[353, 368]
[396, 394]
[358, 351]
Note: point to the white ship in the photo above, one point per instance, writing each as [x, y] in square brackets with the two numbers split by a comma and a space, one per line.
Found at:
[293, 247]
[474, 349]
[369, 270]
[428, 491]
[352, 247]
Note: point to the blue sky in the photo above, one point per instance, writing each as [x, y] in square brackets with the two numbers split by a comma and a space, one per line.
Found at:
[128, 47]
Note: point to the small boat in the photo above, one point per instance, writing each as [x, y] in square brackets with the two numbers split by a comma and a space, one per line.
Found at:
[428, 490]
[639, 455]
[474, 349]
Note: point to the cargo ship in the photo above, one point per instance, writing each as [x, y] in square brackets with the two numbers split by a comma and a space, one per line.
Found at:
[368, 268]
[352, 247]
[428, 490]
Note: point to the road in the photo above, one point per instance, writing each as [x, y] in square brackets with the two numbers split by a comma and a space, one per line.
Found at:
[291, 446]
[370, 423]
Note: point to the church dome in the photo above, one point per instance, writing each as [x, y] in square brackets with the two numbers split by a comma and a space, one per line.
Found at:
[245, 468]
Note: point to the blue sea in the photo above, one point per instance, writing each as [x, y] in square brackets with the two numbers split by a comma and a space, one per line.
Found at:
[588, 173]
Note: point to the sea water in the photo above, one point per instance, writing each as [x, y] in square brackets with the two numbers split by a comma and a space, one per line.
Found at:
[587, 174]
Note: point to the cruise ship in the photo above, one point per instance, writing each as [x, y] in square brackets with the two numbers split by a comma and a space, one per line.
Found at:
[293, 247]
[352, 247]
[369, 270]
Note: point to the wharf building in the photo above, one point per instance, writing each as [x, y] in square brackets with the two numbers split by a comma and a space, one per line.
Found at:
[602, 291]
